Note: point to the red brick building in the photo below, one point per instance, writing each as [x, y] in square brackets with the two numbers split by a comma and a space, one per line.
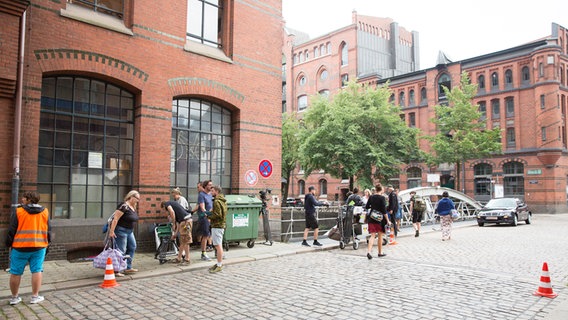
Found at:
[522, 90]
[368, 46]
[117, 95]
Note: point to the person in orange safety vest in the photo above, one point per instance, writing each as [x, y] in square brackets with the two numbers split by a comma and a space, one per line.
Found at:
[28, 237]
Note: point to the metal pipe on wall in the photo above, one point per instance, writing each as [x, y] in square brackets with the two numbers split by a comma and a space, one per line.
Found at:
[18, 114]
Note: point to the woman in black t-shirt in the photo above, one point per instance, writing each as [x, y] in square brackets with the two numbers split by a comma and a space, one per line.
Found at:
[122, 227]
[377, 202]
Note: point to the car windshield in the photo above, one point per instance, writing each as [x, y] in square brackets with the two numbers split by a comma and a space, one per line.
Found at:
[501, 203]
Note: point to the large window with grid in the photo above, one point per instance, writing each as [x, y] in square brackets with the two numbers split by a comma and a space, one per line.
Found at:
[201, 145]
[513, 179]
[205, 21]
[86, 140]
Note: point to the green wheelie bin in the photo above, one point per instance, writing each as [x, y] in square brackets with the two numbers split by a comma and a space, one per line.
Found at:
[242, 219]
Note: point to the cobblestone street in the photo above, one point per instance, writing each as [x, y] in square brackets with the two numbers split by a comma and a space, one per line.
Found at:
[482, 273]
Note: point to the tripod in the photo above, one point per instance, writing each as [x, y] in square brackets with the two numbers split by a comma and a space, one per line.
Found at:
[265, 221]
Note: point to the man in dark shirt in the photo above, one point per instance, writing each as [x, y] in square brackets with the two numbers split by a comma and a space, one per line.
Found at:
[181, 225]
[310, 204]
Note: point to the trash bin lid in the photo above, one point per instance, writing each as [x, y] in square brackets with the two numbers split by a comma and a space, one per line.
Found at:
[243, 200]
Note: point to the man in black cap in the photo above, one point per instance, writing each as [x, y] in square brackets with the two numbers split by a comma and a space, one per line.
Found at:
[310, 204]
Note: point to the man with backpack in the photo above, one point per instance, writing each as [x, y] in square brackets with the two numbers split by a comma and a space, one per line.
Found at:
[417, 207]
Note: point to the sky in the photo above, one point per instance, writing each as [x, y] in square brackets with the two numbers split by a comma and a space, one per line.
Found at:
[462, 29]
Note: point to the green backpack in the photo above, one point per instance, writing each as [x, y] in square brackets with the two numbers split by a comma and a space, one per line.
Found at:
[419, 204]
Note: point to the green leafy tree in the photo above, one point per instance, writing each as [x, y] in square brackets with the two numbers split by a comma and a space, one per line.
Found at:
[291, 128]
[461, 135]
[358, 133]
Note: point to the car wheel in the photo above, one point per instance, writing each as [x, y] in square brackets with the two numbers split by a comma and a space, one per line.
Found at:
[528, 221]
[480, 224]
[515, 220]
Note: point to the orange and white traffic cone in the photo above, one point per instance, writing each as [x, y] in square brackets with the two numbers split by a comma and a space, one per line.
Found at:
[110, 280]
[392, 240]
[545, 289]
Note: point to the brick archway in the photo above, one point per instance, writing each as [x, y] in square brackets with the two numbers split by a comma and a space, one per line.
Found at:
[53, 60]
[205, 87]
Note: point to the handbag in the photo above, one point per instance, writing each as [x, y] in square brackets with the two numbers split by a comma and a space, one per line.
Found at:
[334, 234]
[118, 261]
[376, 215]
[454, 214]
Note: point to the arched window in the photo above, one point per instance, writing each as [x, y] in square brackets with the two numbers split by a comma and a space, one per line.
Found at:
[201, 143]
[401, 99]
[411, 97]
[508, 78]
[513, 179]
[481, 83]
[482, 110]
[526, 76]
[414, 177]
[316, 52]
[323, 187]
[86, 143]
[494, 81]
[423, 96]
[344, 55]
[444, 81]
[323, 75]
[495, 109]
[482, 179]
[509, 107]
[301, 187]
[541, 70]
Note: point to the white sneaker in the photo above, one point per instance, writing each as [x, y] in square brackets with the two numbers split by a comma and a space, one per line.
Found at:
[15, 300]
[36, 299]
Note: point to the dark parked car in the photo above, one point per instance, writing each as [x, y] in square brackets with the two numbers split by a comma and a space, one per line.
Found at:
[294, 202]
[504, 210]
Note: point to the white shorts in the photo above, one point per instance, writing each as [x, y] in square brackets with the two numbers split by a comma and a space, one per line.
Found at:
[217, 236]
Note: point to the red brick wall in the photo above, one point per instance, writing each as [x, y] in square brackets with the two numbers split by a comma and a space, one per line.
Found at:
[147, 64]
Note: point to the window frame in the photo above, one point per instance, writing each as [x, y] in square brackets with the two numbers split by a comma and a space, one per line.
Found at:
[86, 146]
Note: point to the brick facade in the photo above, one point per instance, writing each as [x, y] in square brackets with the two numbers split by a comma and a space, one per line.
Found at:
[537, 143]
[149, 56]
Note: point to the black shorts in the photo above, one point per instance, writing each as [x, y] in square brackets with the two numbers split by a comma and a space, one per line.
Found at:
[417, 216]
[311, 221]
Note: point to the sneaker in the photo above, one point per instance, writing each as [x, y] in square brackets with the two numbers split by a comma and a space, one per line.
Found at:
[36, 299]
[15, 300]
[305, 243]
[209, 248]
[216, 268]
[417, 233]
[205, 257]
[316, 243]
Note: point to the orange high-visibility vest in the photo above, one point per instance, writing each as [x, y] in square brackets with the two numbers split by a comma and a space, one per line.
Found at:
[32, 229]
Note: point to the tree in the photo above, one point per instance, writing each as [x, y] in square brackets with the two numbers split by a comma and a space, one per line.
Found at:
[358, 133]
[290, 148]
[461, 135]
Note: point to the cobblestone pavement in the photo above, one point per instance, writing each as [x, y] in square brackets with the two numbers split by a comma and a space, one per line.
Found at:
[482, 273]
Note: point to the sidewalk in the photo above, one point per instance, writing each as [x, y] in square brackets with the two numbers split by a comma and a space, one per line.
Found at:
[62, 274]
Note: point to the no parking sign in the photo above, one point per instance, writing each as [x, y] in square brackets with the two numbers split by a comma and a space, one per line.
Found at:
[251, 178]
[265, 168]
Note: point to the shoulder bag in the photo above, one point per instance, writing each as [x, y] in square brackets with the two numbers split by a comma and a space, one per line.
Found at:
[376, 215]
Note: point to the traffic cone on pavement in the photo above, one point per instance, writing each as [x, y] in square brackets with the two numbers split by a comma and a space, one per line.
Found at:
[110, 280]
[392, 240]
[545, 289]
